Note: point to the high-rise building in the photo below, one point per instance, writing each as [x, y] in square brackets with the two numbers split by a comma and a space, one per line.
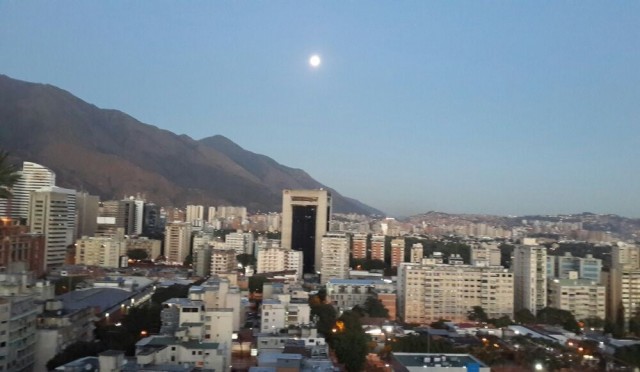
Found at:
[359, 246]
[305, 219]
[429, 291]
[485, 254]
[530, 277]
[211, 215]
[152, 224]
[623, 281]
[241, 242]
[377, 247]
[87, 210]
[100, 251]
[335, 256]
[177, 241]
[397, 252]
[52, 213]
[223, 261]
[195, 214]
[18, 246]
[584, 298]
[417, 252]
[586, 267]
[32, 177]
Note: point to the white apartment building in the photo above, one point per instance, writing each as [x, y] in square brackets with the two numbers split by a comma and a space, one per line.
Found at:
[189, 328]
[223, 261]
[219, 294]
[272, 316]
[584, 298]
[52, 213]
[57, 328]
[417, 253]
[347, 293]
[623, 281]
[240, 241]
[530, 277]
[195, 215]
[177, 241]
[428, 292]
[32, 177]
[100, 251]
[335, 256]
[271, 260]
[295, 262]
[485, 254]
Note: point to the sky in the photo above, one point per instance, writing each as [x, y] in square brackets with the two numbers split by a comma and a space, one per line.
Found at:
[497, 107]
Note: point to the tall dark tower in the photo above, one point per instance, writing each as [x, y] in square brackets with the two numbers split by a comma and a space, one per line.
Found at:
[305, 219]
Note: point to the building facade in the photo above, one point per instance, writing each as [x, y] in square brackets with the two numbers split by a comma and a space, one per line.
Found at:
[530, 277]
[335, 256]
[428, 291]
[305, 219]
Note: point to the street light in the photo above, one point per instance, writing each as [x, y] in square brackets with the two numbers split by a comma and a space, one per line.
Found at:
[538, 367]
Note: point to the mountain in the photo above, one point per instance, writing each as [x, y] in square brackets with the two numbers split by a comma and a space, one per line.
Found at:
[111, 154]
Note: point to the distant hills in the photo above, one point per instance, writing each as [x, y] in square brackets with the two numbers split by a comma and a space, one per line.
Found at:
[111, 154]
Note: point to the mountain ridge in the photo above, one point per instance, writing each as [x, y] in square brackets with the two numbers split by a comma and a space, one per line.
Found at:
[109, 153]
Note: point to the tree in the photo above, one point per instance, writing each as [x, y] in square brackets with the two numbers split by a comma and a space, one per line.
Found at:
[137, 254]
[594, 322]
[8, 176]
[524, 316]
[629, 354]
[553, 316]
[246, 259]
[350, 342]
[325, 316]
[375, 308]
[503, 321]
[477, 314]
[256, 282]
[440, 324]
[75, 351]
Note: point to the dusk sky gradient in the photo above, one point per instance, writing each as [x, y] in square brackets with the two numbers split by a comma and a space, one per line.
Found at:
[456, 106]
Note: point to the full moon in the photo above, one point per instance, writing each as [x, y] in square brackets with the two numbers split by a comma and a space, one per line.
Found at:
[315, 60]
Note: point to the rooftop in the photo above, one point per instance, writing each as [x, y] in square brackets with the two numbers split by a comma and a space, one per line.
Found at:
[431, 360]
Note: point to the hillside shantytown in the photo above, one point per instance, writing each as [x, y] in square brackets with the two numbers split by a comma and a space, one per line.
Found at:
[130, 285]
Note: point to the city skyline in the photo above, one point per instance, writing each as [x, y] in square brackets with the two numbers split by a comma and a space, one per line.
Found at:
[507, 109]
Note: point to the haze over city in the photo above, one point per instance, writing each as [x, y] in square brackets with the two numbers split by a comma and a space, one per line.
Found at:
[500, 108]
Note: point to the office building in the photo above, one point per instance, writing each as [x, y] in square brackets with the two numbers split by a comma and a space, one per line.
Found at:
[429, 291]
[305, 219]
[562, 267]
[152, 221]
[530, 277]
[52, 214]
[335, 256]
[87, 211]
